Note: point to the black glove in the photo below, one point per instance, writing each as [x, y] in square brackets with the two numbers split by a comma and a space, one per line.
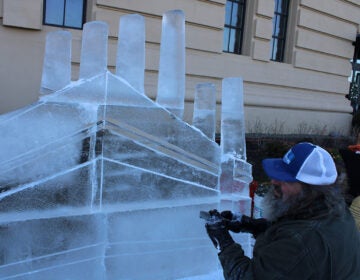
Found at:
[242, 223]
[217, 231]
[232, 221]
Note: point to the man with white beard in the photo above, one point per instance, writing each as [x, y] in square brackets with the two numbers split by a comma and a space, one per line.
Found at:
[308, 232]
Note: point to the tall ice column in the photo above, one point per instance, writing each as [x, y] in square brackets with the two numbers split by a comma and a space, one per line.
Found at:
[57, 62]
[204, 117]
[236, 172]
[93, 60]
[171, 83]
[130, 60]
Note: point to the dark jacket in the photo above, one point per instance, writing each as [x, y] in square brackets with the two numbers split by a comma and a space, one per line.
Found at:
[324, 248]
[352, 166]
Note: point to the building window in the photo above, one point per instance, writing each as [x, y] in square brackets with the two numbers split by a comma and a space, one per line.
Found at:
[234, 26]
[278, 39]
[65, 13]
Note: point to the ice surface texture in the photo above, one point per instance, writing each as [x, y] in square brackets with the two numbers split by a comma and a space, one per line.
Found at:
[171, 85]
[204, 117]
[98, 181]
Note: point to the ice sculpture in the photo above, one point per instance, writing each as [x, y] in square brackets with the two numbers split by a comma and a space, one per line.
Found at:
[171, 84]
[97, 181]
[204, 117]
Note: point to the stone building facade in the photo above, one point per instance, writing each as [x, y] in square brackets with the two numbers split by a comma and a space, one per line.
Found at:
[302, 91]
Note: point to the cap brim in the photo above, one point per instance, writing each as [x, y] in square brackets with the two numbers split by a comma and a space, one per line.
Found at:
[276, 169]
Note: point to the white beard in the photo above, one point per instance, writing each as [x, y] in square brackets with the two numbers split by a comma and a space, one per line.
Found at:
[275, 207]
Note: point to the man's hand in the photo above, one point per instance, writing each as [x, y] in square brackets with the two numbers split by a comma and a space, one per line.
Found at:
[217, 229]
[219, 235]
[218, 226]
[232, 220]
[237, 222]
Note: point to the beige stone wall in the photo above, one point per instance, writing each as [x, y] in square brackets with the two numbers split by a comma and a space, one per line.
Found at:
[303, 94]
[23, 13]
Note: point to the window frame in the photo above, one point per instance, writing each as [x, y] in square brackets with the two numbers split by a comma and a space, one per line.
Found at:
[239, 29]
[83, 19]
[278, 39]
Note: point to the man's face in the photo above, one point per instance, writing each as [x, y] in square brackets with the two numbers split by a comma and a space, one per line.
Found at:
[280, 198]
[285, 190]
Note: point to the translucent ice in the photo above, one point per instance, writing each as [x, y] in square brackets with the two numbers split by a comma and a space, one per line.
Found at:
[130, 60]
[98, 181]
[171, 83]
[232, 119]
[57, 62]
[93, 59]
[204, 116]
[236, 172]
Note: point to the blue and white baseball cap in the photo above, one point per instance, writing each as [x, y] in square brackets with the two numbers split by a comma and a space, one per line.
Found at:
[304, 162]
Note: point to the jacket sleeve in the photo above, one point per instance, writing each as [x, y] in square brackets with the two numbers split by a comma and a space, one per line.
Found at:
[234, 262]
[286, 256]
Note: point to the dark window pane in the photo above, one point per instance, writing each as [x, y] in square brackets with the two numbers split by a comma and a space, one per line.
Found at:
[74, 13]
[282, 27]
[232, 40]
[234, 15]
[54, 13]
[284, 6]
[279, 30]
[279, 50]
[273, 48]
[67, 13]
[228, 13]
[234, 25]
[240, 16]
[226, 39]
[278, 6]
[273, 23]
[238, 41]
[277, 25]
